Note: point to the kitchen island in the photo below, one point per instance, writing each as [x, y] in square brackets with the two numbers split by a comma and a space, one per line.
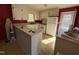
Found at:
[28, 37]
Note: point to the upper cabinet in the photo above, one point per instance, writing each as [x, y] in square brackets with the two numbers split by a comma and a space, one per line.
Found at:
[49, 13]
[43, 14]
[53, 12]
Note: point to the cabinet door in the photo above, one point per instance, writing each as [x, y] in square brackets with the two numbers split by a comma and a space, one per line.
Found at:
[66, 47]
[35, 43]
[20, 38]
[53, 12]
[28, 44]
[23, 40]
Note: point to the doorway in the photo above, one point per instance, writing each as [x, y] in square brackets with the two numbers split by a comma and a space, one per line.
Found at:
[66, 20]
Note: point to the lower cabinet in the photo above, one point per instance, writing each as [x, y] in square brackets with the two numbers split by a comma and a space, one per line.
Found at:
[66, 47]
[23, 40]
[29, 44]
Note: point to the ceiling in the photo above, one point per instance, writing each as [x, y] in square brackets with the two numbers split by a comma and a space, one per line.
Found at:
[49, 6]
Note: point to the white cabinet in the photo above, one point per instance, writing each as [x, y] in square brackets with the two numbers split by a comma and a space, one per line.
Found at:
[53, 12]
[35, 43]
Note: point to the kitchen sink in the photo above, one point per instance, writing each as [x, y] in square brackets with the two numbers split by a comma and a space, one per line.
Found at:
[72, 35]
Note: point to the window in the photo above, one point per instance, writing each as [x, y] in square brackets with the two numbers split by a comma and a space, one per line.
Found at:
[30, 18]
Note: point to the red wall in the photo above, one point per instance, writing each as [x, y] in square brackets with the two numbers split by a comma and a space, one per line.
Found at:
[5, 12]
[70, 9]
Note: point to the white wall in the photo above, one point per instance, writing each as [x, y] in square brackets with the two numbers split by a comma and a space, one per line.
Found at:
[20, 12]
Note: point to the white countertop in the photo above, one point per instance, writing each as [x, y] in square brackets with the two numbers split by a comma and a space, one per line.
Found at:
[29, 27]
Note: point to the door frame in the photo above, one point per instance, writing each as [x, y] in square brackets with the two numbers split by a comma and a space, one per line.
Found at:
[61, 15]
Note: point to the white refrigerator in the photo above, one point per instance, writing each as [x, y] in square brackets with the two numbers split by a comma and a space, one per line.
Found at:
[52, 25]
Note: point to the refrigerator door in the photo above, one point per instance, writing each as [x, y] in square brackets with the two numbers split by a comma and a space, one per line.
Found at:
[52, 26]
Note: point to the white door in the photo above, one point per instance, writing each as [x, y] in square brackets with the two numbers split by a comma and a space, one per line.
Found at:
[66, 20]
[52, 25]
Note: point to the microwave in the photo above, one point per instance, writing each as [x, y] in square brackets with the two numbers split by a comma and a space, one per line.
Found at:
[44, 21]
